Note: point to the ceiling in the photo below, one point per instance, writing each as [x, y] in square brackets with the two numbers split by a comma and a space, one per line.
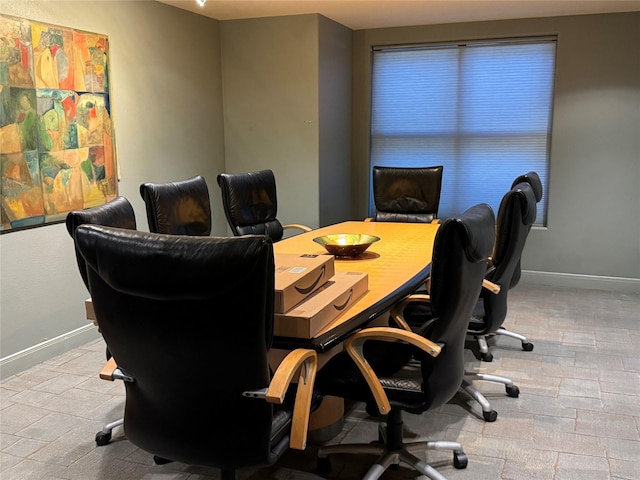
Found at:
[365, 14]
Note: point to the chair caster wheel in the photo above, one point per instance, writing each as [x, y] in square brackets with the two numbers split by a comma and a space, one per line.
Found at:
[527, 347]
[460, 460]
[487, 357]
[161, 461]
[490, 416]
[324, 465]
[103, 438]
[512, 390]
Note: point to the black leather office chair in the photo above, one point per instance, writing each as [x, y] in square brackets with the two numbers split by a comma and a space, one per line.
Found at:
[516, 214]
[251, 204]
[189, 321]
[426, 368]
[407, 194]
[116, 213]
[533, 179]
[178, 208]
[515, 219]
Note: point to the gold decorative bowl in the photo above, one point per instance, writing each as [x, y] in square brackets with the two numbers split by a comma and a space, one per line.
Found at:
[346, 244]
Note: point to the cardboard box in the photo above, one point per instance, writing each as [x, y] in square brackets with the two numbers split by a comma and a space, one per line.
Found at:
[298, 276]
[318, 310]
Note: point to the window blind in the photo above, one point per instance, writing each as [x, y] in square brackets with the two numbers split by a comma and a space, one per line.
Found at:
[482, 110]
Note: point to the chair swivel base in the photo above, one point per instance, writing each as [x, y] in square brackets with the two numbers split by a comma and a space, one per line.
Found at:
[526, 345]
[393, 451]
[487, 356]
[103, 437]
[488, 413]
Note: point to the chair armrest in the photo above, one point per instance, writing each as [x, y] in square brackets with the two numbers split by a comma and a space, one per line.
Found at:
[354, 347]
[307, 362]
[398, 308]
[109, 368]
[112, 372]
[492, 287]
[89, 311]
[368, 219]
[297, 226]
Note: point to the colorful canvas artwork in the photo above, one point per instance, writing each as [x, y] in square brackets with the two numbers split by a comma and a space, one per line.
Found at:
[57, 148]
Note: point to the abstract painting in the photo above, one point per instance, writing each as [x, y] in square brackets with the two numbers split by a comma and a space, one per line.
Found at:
[57, 147]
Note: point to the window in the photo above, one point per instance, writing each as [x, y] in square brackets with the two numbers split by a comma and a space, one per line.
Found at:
[481, 110]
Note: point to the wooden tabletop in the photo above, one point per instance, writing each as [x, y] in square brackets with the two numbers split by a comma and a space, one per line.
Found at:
[397, 265]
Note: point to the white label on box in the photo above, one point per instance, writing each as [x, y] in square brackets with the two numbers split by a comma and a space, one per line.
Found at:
[298, 270]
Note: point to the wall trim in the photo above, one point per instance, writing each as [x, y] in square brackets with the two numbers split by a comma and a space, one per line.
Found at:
[590, 282]
[31, 356]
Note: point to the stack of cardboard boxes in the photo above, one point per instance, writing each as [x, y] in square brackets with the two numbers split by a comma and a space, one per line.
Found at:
[310, 294]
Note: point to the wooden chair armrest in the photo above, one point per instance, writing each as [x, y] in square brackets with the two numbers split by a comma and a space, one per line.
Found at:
[368, 219]
[354, 347]
[304, 228]
[435, 221]
[398, 308]
[307, 362]
[90, 312]
[492, 287]
[107, 371]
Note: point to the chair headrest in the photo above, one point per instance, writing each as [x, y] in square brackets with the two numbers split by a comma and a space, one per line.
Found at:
[533, 179]
[178, 208]
[479, 224]
[116, 213]
[160, 266]
[528, 203]
[249, 198]
[410, 191]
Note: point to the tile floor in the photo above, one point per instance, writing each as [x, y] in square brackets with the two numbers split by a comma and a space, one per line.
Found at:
[577, 417]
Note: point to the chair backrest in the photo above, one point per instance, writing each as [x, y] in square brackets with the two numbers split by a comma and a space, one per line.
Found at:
[178, 208]
[250, 203]
[190, 320]
[532, 179]
[516, 214]
[459, 262]
[116, 213]
[407, 194]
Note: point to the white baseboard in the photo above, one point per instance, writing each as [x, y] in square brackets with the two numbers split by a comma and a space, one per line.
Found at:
[589, 282]
[27, 358]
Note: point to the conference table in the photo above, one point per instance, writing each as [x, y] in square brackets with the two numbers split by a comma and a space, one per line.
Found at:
[396, 265]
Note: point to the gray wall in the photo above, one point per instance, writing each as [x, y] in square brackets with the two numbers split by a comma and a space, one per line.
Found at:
[592, 238]
[287, 107]
[335, 58]
[270, 78]
[167, 110]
